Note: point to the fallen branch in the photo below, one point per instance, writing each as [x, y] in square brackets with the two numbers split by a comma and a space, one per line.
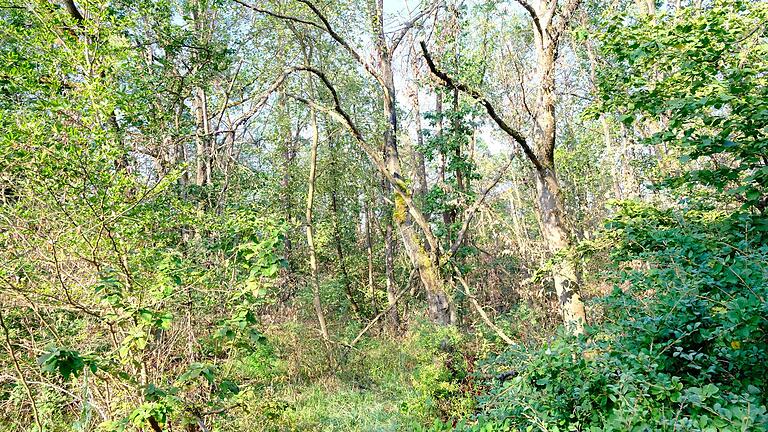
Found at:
[480, 310]
[376, 318]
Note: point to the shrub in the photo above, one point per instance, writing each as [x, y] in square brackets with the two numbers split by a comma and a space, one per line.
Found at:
[684, 344]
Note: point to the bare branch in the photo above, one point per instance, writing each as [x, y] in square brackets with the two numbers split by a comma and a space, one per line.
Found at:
[469, 213]
[408, 25]
[278, 15]
[341, 41]
[480, 310]
[450, 82]
[263, 99]
[227, 94]
[16, 366]
[377, 317]
[325, 26]
[534, 16]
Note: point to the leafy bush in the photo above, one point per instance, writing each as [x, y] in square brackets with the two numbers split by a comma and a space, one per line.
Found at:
[684, 344]
[442, 373]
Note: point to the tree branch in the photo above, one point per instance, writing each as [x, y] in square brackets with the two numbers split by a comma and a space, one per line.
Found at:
[469, 213]
[377, 317]
[534, 16]
[450, 82]
[565, 16]
[326, 27]
[480, 310]
[408, 25]
[278, 15]
[341, 41]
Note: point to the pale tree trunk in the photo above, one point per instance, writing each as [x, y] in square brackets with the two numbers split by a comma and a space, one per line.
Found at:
[391, 157]
[440, 307]
[557, 238]
[393, 164]
[616, 163]
[392, 161]
[647, 7]
[454, 213]
[425, 262]
[203, 131]
[311, 232]
[389, 273]
[458, 152]
[630, 184]
[202, 140]
[551, 209]
[418, 157]
[369, 251]
[180, 156]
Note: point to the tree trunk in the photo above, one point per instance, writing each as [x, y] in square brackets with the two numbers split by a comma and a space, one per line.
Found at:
[551, 210]
[419, 163]
[391, 157]
[425, 262]
[439, 305]
[557, 238]
[393, 164]
[311, 233]
[369, 250]
[202, 140]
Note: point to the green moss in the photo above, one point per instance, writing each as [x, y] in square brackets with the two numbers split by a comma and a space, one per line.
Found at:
[401, 209]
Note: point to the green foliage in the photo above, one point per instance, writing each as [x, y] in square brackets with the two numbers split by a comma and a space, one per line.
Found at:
[700, 76]
[442, 374]
[383, 384]
[172, 301]
[449, 148]
[684, 341]
[65, 362]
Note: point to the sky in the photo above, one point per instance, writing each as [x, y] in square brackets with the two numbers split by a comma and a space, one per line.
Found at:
[399, 6]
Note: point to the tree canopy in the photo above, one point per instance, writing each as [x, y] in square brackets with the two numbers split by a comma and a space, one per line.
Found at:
[470, 215]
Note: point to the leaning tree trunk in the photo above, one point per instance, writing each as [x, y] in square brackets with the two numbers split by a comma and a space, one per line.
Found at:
[425, 262]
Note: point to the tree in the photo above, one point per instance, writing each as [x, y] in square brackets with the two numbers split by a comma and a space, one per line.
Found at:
[549, 24]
